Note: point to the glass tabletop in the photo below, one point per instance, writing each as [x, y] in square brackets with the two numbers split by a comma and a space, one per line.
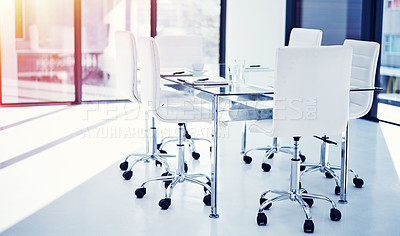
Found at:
[217, 73]
[237, 101]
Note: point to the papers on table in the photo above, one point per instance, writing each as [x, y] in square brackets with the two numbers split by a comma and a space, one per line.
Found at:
[203, 80]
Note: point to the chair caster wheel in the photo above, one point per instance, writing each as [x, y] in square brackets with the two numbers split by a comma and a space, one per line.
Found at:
[247, 159]
[140, 192]
[335, 214]
[165, 203]
[123, 165]
[328, 175]
[308, 226]
[358, 182]
[166, 174]
[266, 167]
[337, 190]
[162, 151]
[205, 189]
[127, 175]
[261, 219]
[158, 163]
[207, 200]
[309, 201]
[185, 167]
[302, 168]
[271, 156]
[302, 157]
[195, 155]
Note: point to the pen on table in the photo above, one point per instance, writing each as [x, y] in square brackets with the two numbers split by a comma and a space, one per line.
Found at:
[181, 80]
[178, 73]
[202, 79]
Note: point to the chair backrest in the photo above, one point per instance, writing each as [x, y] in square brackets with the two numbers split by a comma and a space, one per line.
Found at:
[302, 37]
[180, 50]
[365, 60]
[126, 65]
[150, 69]
[311, 90]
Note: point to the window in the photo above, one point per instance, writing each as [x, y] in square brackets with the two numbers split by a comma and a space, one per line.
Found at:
[338, 19]
[100, 21]
[38, 43]
[389, 80]
[192, 17]
[38, 51]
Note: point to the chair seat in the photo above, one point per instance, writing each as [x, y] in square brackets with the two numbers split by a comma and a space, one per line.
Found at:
[261, 126]
[178, 107]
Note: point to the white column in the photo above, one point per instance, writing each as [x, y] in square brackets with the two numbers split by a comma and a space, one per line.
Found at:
[254, 29]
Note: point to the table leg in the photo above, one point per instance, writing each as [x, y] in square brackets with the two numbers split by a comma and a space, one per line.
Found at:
[214, 166]
[244, 136]
[344, 166]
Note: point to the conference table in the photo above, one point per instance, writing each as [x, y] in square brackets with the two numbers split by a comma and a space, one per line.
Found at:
[241, 101]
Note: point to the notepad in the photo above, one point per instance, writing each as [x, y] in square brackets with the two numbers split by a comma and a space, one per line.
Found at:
[204, 80]
[175, 72]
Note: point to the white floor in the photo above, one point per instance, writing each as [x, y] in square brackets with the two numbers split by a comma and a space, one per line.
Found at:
[59, 175]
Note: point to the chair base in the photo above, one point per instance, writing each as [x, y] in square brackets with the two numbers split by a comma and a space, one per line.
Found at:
[329, 170]
[186, 139]
[140, 157]
[189, 142]
[158, 158]
[173, 179]
[304, 199]
[296, 193]
[269, 154]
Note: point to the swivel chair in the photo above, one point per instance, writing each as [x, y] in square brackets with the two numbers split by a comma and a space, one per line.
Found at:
[187, 111]
[126, 62]
[180, 52]
[299, 37]
[365, 58]
[311, 89]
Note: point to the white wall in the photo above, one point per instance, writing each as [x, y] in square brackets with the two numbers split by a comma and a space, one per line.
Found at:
[254, 29]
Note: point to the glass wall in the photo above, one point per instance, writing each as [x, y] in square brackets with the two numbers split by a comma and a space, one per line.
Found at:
[389, 99]
[38, 43]
[192, 17]
[37, 51]
[338, 19]
[100, 21]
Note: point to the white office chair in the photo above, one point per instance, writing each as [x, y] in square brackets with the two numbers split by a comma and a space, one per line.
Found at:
[311, 90]
[126, 62]
[365, 59]
[303, 37]
[299, 37]
[181, 113]
[180, 52]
